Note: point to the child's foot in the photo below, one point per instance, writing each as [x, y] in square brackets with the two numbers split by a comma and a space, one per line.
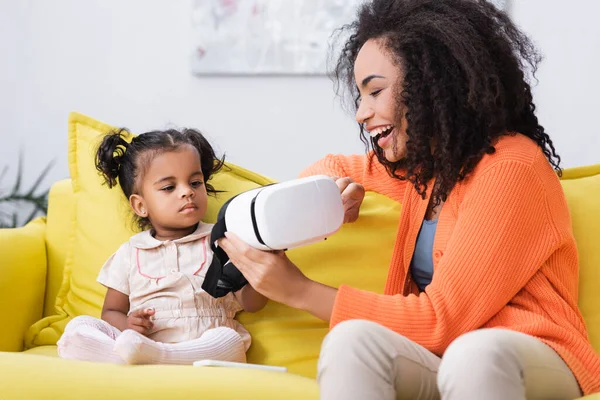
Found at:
[88, 346]
[215, 344]
[136, 348]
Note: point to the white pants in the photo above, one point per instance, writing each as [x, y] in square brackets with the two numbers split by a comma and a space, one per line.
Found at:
[364, 360]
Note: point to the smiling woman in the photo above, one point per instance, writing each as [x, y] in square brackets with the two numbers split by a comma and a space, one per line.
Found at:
[481, 296]
[377, 109]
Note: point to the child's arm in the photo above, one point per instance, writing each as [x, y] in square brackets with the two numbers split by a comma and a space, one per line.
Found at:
[250, 299]
[115, 309]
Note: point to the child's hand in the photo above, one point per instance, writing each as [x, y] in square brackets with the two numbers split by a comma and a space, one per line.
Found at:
[140, 321]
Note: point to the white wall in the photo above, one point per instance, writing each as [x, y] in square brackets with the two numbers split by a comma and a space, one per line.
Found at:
[126, 63]
[568, 93]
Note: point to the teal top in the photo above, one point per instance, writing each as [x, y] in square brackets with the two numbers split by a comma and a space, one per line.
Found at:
[421, 266]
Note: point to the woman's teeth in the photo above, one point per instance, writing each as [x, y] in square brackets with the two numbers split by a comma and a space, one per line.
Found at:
[381, 130]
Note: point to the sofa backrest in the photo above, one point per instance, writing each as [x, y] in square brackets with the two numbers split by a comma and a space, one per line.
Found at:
[87, 222]
[582, 190]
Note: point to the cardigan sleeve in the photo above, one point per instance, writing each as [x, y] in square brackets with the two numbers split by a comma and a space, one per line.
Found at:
[364, 169]
[340, 166]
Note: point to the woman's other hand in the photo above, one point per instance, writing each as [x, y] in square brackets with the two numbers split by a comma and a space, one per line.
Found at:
[353, 195]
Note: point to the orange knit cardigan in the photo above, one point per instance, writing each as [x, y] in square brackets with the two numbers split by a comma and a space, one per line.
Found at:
[504, 256]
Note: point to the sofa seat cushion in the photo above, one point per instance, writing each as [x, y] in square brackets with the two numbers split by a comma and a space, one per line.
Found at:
[29, 376]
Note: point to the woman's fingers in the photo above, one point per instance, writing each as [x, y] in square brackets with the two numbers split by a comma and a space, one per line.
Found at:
[352, 196]
[343, 183]
[244, 250]
[237, 257]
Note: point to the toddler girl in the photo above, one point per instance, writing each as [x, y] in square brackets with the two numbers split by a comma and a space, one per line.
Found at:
[155, 311]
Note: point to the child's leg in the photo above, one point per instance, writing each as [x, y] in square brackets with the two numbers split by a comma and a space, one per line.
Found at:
[220, 343]
[89, 339]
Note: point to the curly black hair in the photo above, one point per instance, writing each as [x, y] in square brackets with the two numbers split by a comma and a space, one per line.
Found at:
[116, 157]
[465, 83]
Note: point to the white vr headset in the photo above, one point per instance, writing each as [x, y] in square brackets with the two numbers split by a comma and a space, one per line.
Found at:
[276, 217]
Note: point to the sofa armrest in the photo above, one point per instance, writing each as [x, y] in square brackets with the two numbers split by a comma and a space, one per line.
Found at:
[22, 281]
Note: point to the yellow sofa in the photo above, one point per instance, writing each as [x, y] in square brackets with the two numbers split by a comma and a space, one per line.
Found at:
[48, 270]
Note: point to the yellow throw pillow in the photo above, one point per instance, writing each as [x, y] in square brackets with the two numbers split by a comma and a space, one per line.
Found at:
[103, 221]
[582, 189]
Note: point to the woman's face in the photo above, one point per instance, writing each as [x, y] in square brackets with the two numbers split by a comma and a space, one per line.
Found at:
[377, 79]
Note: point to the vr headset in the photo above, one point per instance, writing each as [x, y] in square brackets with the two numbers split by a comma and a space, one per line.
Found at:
[275, 217]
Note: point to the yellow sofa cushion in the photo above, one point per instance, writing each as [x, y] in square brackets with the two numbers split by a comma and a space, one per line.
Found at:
[582, 189]
[281, 336]
[35, 377]
[22, 281]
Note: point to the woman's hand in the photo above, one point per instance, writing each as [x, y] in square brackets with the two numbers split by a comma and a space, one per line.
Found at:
[274, 276]
[271, 274]
[353, 195]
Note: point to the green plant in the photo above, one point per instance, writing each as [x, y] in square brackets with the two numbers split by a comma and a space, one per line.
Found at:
[15, 202]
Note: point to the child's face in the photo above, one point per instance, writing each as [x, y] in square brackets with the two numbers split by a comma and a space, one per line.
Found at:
[173, 195]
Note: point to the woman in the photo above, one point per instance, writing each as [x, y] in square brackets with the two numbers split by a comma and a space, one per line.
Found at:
[481, 297]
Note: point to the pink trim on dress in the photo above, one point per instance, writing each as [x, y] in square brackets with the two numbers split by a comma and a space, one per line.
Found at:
[203, 261]
[137, 258]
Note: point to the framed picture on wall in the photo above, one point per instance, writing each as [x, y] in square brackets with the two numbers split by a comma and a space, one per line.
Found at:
[268, 37]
